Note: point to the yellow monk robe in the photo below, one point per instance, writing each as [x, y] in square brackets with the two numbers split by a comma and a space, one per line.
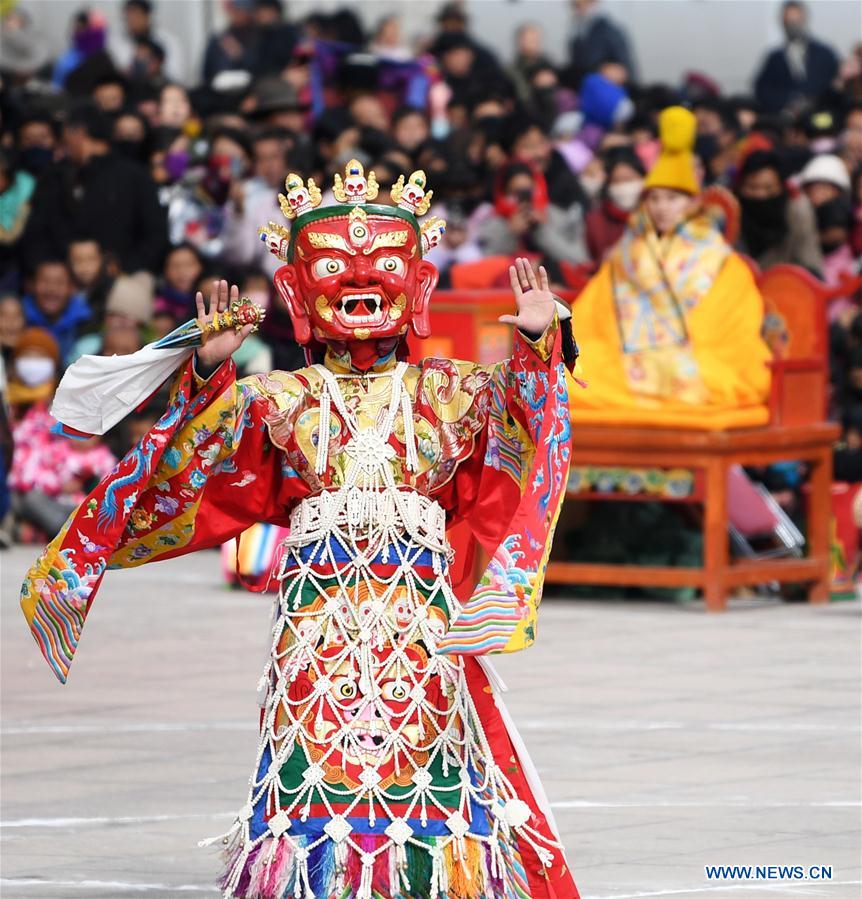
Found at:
[669, 333]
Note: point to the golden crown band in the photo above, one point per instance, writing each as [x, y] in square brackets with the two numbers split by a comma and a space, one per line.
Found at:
[354, 188]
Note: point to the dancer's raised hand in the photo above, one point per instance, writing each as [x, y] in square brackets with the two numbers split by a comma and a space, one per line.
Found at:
[534, 298]
[220, 346]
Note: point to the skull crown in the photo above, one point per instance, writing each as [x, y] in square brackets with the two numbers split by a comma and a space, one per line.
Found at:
[354, 188]
[299, 198]
[412, 196]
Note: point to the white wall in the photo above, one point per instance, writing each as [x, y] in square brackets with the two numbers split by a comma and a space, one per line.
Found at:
[187, 19]
[723, 38]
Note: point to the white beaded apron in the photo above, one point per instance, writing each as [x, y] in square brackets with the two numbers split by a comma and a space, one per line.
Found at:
[373, 767]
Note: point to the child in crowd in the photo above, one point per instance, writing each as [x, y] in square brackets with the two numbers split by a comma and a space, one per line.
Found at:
[50, 474]
[33, 371]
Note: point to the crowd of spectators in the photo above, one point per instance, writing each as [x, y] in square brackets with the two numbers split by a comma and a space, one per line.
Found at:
[123, 190]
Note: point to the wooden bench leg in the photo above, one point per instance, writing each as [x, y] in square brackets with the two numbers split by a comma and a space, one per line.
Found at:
[715, 552]
[819, 521]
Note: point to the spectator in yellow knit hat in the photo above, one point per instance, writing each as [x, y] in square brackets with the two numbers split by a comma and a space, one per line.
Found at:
[669, 327]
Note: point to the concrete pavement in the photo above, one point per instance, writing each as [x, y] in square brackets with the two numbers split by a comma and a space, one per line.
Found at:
[667, 739]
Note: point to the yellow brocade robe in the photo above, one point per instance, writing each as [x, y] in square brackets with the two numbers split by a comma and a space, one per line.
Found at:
[692, 336]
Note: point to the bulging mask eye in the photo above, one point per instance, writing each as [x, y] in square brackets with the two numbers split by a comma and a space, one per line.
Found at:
[344, 689]
[395, 691]
[392, 265]
[327, 266]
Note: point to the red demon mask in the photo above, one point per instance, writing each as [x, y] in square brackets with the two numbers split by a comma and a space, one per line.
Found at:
[355, 271]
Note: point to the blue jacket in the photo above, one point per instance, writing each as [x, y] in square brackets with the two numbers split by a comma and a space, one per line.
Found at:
[65, 328]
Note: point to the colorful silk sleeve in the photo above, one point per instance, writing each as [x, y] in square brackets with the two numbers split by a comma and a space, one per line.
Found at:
[513, 489]
[203, 473]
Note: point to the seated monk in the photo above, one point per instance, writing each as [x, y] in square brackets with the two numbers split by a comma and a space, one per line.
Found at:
[669, 327]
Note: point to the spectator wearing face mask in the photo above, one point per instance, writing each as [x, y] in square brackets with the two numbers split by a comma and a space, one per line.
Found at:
[619, 197]
[54, 305]
[36, 142]
[50, 474]
[718, 133]
[131, 136]
[148, 66]
[33, 371]
[545, 95]
[388, 41]
[85, 59]
[834, 221]
[776, 227]
[821, 127]
[802, 69]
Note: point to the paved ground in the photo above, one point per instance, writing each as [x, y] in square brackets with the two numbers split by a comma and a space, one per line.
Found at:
[667, 739]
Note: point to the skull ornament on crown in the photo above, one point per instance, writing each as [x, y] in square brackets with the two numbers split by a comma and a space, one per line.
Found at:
[354, 271]
[355, 188]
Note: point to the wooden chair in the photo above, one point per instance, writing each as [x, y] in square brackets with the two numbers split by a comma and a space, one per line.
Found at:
[465, 325]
